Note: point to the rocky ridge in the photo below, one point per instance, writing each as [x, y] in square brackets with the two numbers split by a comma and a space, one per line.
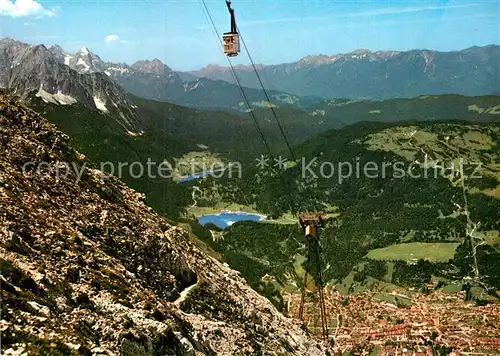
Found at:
[39, 71]
[88, 268]
[152, 80]
[363, 74]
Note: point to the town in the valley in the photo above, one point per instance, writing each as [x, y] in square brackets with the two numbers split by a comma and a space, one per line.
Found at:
[426, 323]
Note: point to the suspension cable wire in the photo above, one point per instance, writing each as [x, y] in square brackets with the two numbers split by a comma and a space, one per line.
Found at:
[216, 34]
[247, 102]
[242, 92]
[214, 30]
[271, 106]
[280, 126]
[311, 250]
[314, 249]
[287, 142]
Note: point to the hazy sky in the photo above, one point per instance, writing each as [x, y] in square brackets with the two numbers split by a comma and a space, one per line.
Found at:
[276, 31]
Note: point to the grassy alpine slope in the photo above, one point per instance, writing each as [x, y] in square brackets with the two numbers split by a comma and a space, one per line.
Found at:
[373, 213]
[381, 221]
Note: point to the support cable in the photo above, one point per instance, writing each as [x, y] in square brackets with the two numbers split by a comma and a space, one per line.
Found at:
[247, 102]
[287, 142]
[242, 92]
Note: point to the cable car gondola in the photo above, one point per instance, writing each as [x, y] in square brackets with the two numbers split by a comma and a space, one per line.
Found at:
[231, 40]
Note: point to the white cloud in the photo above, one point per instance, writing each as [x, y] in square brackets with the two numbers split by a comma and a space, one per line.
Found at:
[113, 38]
[406, 10]
[20, 8]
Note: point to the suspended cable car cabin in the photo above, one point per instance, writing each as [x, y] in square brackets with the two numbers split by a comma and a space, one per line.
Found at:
[231, 40]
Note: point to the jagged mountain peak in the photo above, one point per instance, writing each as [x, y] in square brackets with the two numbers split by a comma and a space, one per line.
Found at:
[39, 47]
[56, 48]
[84, 50]
[314, 60]
[154, 66]
[379, 75]
[48, 74]
[8, 40]
[386, 54]
[58, 52]
[40, 54]
[155, 60]
[214, 67]
[85, 61]
[360, 51]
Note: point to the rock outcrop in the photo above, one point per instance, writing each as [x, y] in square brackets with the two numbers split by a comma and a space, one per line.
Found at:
[38, 71]
[88, 268]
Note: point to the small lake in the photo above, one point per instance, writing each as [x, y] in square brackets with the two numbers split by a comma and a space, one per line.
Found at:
[197, 176]
[227, 218]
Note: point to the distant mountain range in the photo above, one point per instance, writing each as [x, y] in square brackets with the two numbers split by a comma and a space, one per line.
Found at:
[62, 77]
[148, 79]
[38, 71]
[376, 75]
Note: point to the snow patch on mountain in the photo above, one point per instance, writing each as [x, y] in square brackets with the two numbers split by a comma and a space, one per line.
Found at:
[318, 112]
[99, 104]
[59, 98]
[120, 70]
[46, 97]
[67, 58]
[64, 99]
[81, 62]
[189, 86]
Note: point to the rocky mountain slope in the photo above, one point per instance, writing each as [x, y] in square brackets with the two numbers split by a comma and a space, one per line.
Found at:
[378, 75]
[28, 70]
[88, 268]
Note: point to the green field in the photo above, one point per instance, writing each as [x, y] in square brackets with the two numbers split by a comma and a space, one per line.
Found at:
[286, 218]
[297, 265]
[394, 298]
[433, 252]
[491, 237]
[220, 206]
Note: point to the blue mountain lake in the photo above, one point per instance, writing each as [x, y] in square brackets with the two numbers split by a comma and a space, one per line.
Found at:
[215, 172]
[227, 218]
[195, 176]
